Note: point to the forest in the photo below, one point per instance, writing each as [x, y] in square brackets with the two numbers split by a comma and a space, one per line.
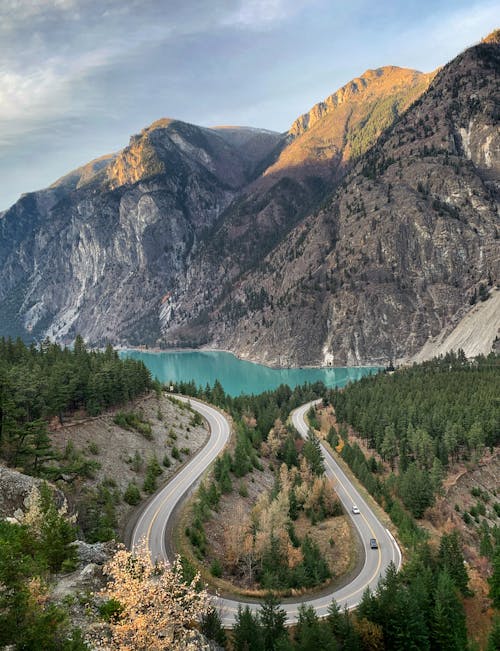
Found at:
[38, 383]
[418, 419]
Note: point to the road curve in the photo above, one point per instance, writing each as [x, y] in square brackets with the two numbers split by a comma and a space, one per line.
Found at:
[153, 521]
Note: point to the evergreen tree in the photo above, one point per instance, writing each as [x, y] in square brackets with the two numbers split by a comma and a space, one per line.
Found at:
[311, 634]
[451, 559]
[211, 626]
[449, 632]
[494, 580]
[494, 636]
[415, 489]
[247, 632]
[312, 452]
[272, 621]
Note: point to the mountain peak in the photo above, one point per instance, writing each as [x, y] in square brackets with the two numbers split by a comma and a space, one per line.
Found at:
[371, 84]
[494, 37]
[344, 125]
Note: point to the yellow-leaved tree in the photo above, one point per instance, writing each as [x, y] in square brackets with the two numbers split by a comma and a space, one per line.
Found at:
[158, 609]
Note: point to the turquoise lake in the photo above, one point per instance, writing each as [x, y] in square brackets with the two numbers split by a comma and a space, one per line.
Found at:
[235, 375]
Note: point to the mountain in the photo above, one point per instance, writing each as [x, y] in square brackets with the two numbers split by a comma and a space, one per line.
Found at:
[303, 169]
[96, 252]
[363, 233]
[395, 258]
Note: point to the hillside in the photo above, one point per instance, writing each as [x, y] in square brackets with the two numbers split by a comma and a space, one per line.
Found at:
[400, 252]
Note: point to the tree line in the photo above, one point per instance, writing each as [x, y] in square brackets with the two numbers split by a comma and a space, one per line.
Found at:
[38, 383]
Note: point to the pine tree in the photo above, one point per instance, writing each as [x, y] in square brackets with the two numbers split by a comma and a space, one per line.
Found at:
[449, 632]
[247, 632]
[451, 559]
[272, 621]
[211, 626]
[311, 634]
[494, 636]
[494, 580]
[312, 452]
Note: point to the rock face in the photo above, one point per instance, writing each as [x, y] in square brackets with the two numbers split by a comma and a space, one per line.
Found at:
[98, 251]
[16, 488]
[361, 234]
[399, 253]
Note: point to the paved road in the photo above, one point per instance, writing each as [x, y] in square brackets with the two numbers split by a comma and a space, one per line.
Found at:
[153, 521]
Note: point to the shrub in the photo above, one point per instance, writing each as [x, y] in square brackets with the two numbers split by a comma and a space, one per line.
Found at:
[132, 494]
[132, 421]
[216, 568]
[110, 610]
[93, 448]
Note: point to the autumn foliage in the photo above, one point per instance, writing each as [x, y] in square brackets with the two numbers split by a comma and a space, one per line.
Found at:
[158, 609]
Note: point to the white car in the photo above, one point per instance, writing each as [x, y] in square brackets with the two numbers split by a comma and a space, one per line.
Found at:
[355, 509]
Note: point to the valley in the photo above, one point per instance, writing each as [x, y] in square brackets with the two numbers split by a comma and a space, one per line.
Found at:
[250, 379]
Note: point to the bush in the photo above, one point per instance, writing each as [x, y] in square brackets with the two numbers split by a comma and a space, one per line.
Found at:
[136, 462]
[110, 610]
[175, 453]
[132, 495]
[152, 472]
[216, 568]
[93, 448]
[132, 421]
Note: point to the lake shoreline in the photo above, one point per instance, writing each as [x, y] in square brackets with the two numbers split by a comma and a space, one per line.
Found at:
[158, 351]
[237, 376]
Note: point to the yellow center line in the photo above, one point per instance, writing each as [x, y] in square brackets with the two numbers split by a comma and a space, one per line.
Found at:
[198, 465]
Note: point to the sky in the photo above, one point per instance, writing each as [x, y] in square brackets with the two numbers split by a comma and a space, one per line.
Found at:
[79, 77]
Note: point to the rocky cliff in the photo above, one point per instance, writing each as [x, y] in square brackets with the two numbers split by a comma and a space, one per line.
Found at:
[98, 251]
[401, 251]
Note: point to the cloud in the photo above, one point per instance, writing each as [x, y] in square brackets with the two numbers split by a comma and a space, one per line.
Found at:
[255, 14]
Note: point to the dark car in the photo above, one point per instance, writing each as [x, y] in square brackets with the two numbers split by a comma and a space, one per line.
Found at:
[373, 543]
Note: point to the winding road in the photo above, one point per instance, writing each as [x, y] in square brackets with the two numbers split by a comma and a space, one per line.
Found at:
[154, 520]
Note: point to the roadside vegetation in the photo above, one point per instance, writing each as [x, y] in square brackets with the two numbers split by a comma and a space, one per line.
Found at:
[275, 538]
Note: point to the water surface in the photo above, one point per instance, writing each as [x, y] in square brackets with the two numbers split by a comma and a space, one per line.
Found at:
[236, 375]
